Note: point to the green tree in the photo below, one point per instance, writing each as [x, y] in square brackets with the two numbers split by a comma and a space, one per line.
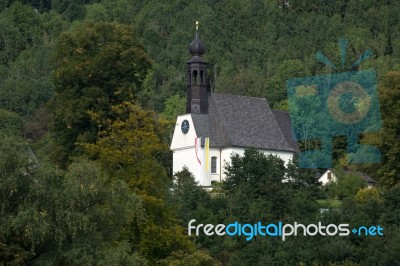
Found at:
[275, 90]
[127, 149]
[174, 106]
[387, 140]
[96, 12]
[20, 30]
[58, 217]
[366, 194]
[198, 258]
[98, 65]
[240, 80]
[73, 10]
[28, 83]
[346, 185]
[10, 122]
[392, 207]
[188, 196]
[254, 186]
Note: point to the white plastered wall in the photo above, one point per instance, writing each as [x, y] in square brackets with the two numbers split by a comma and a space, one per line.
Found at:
[324, 179]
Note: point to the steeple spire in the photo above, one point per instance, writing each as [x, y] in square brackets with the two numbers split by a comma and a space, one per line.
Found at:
[196, 96]
[197, 47]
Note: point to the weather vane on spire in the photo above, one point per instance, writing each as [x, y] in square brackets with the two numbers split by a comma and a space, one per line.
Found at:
[197, 25]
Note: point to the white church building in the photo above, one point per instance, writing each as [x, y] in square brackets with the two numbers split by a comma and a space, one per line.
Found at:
[217, 125]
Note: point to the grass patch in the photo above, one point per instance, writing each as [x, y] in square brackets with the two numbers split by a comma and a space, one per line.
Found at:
[329, 203]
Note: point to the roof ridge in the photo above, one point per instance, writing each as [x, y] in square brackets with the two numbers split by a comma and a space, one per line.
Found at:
[280, 130]
[221, 121]
[288, 141]
[238, 95]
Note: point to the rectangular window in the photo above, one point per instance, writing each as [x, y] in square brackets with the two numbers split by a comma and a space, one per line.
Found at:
[213, 165]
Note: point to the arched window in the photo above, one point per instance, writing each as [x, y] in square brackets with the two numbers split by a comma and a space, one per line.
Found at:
[213, 165]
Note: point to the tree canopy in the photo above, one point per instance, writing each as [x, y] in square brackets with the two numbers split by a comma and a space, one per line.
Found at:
[98, 65]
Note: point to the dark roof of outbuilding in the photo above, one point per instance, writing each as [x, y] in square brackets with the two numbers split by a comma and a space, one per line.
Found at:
[243, 121]
[366, 177]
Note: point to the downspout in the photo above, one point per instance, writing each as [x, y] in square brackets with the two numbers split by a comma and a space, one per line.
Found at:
[220, 165]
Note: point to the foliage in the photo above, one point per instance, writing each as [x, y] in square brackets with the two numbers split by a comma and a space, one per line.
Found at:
[392, 206]
[20, 31]
[367, 194]
[55, 217]
[127, 149]
[387, 140]
[198, 258]
[28, 85]
[254, 182]
[132, 138]
[98, 65]
[188, 197]
[26, 45]
[174, 106]
[10, 122]
[330, 203]
[346, 185]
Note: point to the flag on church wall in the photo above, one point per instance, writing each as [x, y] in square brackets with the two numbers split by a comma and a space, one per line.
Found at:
[202, 156]
[197, 148]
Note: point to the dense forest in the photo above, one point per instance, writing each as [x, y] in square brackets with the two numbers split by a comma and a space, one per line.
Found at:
[89, 91]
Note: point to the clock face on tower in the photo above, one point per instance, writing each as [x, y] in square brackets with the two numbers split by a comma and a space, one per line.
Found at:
[185, 126]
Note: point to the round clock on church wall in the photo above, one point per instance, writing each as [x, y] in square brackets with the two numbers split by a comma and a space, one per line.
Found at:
[185, 126]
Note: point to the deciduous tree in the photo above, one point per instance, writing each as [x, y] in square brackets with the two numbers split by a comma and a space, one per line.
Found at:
[98, 65]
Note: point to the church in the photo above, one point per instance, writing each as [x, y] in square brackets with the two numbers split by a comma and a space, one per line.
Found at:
[218, 125]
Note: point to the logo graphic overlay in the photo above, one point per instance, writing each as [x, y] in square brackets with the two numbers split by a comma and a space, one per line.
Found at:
[342, 104]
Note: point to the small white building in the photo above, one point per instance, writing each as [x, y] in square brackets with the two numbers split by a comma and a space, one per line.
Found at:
[328, 176]
[217, 125]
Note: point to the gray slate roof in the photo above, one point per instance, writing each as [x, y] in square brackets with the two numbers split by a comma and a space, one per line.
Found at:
[366, 177]
[243, 121]
[283, 119]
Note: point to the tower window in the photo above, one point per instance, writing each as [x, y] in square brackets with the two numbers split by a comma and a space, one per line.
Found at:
[195, 77]
[213, 165]
[201, 78]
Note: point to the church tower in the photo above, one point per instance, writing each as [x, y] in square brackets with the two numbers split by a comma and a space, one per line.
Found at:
[196, 95]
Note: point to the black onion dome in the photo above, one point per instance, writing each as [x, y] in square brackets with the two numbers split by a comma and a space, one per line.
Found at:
[197, 47]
